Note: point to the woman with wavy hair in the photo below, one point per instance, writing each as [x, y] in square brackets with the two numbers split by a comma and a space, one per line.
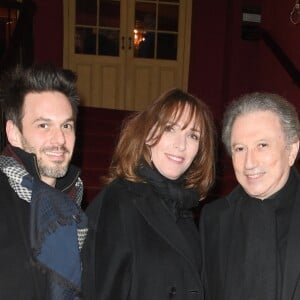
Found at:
[143, 242]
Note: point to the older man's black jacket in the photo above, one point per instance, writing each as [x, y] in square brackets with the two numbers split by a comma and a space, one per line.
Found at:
[216, 231]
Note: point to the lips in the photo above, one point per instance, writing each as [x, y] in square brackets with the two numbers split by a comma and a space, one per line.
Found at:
[254, 176]
[56, 156]
[178, 159]
[55, 153]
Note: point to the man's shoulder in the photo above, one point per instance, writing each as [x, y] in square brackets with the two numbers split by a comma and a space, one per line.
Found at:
[7, 193]
[222, 203]
[4, 184]
[217, 204]
[215, 207]
[9, 203]
[2, 175]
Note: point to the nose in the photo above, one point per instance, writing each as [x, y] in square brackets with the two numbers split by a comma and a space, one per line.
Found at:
[250, 160]
[180, 142]
[58, 137]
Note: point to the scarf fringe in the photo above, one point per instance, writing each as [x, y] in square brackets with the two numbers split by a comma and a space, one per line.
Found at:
[50, 230]
[59, 279]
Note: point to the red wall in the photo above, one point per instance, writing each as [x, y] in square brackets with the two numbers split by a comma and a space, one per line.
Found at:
[273, 77]
[48, 32]
[209, 29]
[223, 66]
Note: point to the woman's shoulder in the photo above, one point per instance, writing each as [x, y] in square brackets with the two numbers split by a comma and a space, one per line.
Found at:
[115, 202]
[118, 193]
[120, 188]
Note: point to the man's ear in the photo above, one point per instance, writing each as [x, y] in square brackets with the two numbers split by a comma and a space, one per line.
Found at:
[13, 134]
[293, 152]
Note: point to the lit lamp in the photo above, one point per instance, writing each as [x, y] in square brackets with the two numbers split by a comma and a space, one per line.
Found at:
[295, 13]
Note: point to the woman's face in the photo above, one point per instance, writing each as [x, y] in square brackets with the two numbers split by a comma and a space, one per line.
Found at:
[177, 148]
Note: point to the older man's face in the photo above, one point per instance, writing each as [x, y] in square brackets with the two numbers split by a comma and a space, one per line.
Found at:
[260, 155]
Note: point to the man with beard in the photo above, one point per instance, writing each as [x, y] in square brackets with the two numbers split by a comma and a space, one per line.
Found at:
[42, 227]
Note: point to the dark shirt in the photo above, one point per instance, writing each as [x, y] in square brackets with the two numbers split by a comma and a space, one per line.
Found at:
[282, 204]
[279, 208]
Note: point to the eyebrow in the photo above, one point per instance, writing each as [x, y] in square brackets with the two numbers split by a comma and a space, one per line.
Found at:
[235, 144]
[41, 119]
[185, 125]
[195, 129]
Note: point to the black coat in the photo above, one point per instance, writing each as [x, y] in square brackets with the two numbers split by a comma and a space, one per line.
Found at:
[19, 279]
[135, 250]
[216, 229]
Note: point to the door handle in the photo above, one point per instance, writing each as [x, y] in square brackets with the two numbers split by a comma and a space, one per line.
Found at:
[122, 44]
[129, 43]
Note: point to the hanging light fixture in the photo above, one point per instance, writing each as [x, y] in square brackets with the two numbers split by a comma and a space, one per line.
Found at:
[295, 13]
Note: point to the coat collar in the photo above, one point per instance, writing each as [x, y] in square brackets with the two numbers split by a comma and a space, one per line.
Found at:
[29, 161]
[160, 219]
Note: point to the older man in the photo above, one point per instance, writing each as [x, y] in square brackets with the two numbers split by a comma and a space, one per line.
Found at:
[251, 238]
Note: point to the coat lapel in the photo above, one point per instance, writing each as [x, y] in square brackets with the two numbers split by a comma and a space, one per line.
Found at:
[292, 266]
[158, 217]
[227, 262]
[226, 227]
[226, 231]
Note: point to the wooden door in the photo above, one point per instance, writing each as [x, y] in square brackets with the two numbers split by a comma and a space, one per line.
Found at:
[127, 52]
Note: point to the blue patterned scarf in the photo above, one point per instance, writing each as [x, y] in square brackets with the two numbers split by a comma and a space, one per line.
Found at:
[57, 229]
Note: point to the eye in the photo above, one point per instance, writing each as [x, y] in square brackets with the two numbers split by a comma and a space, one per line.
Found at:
[238, 149]
[195, 136]
[169, 128]
[68, 126]
[262, 145]
[43, 125]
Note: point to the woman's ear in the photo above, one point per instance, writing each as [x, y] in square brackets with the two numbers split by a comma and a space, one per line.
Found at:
[13, 134]
[149, 141]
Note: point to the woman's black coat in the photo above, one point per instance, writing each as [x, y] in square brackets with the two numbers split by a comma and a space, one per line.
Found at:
[135, 250]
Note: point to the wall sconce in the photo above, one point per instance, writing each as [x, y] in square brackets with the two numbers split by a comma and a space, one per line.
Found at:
[295, 13]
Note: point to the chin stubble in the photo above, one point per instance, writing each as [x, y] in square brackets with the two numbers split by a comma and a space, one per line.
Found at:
[59, 170]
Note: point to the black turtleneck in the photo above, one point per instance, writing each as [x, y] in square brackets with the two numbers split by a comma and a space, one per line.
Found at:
[178, 200]
[279, 207]
[282, 204]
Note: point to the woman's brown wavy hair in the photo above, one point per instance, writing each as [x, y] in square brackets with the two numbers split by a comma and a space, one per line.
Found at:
[150, 124]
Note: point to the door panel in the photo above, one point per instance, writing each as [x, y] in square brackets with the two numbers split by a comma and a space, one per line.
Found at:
[127, 53]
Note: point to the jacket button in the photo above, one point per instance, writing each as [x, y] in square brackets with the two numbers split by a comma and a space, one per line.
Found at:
[172, 291]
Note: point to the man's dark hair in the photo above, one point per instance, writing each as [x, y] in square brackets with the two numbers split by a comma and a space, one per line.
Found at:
[16, 84]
